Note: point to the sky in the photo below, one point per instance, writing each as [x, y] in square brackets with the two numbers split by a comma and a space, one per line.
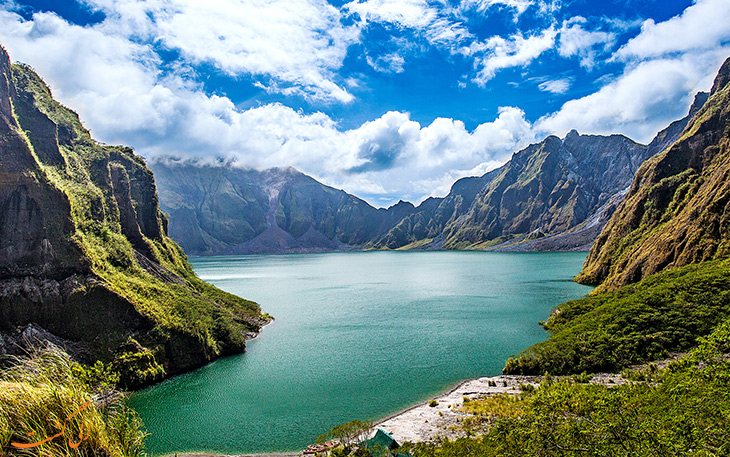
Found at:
[386, 99]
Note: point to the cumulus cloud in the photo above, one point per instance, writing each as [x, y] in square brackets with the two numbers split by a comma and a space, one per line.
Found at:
[111, 74]
[640, 102]
[297, 44]
[575, 40]
[117, 88]
[666, 64]
[500, 53]
[701, 26]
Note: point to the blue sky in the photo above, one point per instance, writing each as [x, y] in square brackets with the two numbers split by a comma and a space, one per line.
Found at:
[388, 99]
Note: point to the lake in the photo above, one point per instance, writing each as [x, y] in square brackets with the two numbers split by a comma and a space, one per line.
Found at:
[357, 335]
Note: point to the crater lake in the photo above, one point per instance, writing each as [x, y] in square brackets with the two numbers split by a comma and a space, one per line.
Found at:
[357, 335]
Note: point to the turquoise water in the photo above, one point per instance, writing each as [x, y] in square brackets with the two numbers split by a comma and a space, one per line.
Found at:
[357, 336]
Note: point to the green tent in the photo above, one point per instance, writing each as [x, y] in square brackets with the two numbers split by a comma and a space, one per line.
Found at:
[381, 445]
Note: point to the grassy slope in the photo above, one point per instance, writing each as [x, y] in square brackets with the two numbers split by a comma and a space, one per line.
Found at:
[48, 387]
[681, 411]
[637, 323]
[189, 307]
[668, 288]
[676, 212]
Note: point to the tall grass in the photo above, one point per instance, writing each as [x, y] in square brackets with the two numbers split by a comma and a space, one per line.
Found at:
[47, 394]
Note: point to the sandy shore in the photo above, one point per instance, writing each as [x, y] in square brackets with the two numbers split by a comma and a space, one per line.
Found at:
[423, 422]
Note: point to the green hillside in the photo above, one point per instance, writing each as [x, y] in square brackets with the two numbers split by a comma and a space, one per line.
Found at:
[84, 251]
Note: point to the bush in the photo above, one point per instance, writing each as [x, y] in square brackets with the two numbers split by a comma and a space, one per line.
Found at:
[635, 324]
[433, 403]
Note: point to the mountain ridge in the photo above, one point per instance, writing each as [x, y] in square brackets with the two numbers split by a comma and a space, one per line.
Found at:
[676, 212]
[552, 195]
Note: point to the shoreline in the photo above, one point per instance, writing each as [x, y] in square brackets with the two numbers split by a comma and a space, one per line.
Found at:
[410, 418]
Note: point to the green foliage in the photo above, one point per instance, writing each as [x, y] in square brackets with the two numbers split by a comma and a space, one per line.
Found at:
[348, 434]
[583, 378]
[99, 376]
[684, 411]
[635, 324]
[44, 390]
[114, 219]
[137, 369]
[433, 403]
[675, 213]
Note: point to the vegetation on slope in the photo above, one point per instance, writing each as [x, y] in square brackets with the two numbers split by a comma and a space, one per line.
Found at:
[637, 323]
[663, 261]
[47, 394]
[125, 288]
[683, 410]
[677, 211]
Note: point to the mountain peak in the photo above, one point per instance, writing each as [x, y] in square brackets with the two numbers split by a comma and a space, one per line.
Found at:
[723, 77]
[572, 135]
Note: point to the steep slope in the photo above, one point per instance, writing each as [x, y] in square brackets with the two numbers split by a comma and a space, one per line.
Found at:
[424, 228]
[221, 209]
[549, 188]
[677, 211]
[555, 195]
[84, 252]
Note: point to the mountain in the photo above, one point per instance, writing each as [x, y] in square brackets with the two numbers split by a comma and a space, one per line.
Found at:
[677, 211]
[554, 195]
[662, 263]
[85, 259]
[565, 187]
[222, 209]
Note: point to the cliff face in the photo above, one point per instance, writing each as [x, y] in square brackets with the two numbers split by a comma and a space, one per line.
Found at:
[554, 195]
[228, 210]
[677, 211]
[84, 251]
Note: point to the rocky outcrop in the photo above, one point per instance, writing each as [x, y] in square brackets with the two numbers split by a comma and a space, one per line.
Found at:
[84, 252]
[677, 211]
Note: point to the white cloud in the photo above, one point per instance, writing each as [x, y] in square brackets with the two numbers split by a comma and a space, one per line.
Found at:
[666, 64]
[701, 26]
[500, 53]
[576, 41]
[299, 44]
[431, 22]
[388, 63]
[110, 73]
[640, 102]
[520, 6]
[415, 14]
[558, 86]
[116, 87]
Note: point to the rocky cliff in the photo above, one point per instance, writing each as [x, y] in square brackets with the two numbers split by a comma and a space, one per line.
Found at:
[554, 195]
[677, 211]
[84, 251]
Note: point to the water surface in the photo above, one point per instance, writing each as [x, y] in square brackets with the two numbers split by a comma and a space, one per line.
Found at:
[357, 335]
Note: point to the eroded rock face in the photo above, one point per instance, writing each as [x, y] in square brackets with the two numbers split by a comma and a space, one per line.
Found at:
[677, 211]
[23, 238]
[101, 271]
